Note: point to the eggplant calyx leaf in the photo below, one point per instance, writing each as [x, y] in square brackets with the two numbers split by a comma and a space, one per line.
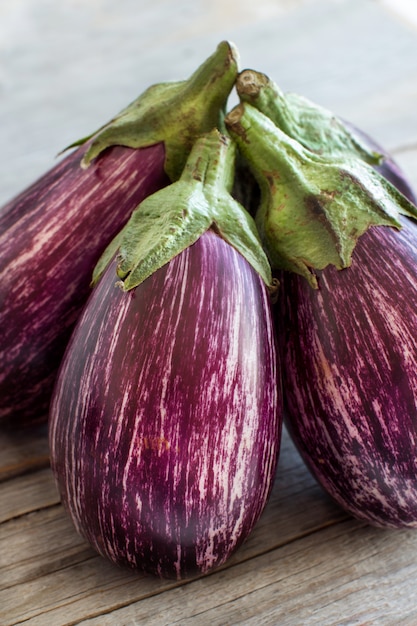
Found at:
[172, 219]
[312, 209]
[313, 126]
[175, 113]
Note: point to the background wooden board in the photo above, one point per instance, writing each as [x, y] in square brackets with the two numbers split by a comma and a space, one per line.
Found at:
[66, 68]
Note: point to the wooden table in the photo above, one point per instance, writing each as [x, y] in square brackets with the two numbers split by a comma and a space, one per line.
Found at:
[67, 67]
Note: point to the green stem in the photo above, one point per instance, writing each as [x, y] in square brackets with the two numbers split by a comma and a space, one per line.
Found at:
[174, 113]
[316, 128]
[172, 219]
[212, 162]
[313, 209]
[260, 91]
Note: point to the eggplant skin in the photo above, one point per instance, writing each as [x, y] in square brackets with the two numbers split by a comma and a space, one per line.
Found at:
[166, 417]
[51, 237]
[349, 360]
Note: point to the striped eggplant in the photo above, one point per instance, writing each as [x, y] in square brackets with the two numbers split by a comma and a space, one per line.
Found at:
[349, 360]
[349, 356]
[53, 233]
[165, 421]
[49, 243]
[350, 376]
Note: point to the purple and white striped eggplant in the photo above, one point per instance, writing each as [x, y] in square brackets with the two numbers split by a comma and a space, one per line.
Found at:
[53, 233]
[349, 355]
[350, 376]
[166, 418]
[164, 430]
[51, 238]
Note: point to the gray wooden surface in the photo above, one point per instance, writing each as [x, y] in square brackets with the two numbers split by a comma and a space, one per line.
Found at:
[67, 67]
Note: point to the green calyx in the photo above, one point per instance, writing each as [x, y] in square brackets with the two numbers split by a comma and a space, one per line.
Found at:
[313, 126]
[319, 189]
[172, 219]
[313, 208]
[175, 113]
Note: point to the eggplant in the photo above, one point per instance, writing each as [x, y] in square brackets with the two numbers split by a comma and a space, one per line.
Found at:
[166, 417]
[163, 423]
[50, 241]
[348, 349]
[349, 359]
[52, 234]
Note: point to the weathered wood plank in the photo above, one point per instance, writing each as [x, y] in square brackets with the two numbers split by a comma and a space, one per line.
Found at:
[349, 574]
[38, 543]
[27, 493]
[22, 451]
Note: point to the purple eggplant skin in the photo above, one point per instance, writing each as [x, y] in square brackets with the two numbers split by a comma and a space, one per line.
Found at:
[51, 236]
[166, 418]
[349, 362]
